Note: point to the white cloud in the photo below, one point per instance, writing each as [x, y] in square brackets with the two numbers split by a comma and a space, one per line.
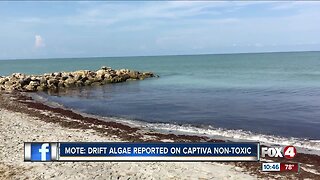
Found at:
[39, 41]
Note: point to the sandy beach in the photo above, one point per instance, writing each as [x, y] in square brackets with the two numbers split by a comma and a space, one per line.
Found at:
[19, 127]
[23, 119]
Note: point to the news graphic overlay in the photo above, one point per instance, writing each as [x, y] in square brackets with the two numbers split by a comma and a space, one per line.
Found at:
[43, 151]
[288, 152]
[280, 167]
[103, 151]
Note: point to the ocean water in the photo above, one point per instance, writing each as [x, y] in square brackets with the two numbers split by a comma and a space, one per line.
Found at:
[266, 94]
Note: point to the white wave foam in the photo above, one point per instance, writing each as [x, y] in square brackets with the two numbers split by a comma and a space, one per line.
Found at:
[303, 145]
[240, 135]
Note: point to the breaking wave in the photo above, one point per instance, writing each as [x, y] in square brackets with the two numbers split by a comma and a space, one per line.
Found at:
[311, 146]
[304, 145]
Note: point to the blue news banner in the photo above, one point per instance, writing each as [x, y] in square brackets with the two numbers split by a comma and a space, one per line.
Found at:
[106, 151]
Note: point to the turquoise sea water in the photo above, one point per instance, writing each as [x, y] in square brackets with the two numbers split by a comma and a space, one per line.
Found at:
[274, 94]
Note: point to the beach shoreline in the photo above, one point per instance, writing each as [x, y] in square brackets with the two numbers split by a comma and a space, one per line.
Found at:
[93, 129]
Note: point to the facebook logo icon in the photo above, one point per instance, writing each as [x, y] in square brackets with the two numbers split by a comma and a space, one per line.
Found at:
[40, 151]
[44, 152]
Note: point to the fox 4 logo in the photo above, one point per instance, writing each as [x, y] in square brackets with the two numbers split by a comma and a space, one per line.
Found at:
[288, 152]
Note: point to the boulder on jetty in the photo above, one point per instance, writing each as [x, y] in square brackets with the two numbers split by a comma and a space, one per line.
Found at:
[61, 80]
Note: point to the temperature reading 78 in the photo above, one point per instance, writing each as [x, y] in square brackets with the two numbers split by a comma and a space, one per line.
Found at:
[289, 166]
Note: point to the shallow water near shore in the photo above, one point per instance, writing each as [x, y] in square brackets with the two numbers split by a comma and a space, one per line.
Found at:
[272, 94]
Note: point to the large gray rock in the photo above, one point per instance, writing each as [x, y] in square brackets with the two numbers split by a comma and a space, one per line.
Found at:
[52, 87]
[87, 83]
[79, 84]
[34, 83]
[43, 80]
[95, 84]
[25, 81]
[57, 74]
[18, 75]
[31, 88]
[105, 68]
[70, 82]
[78, 77]
[33, 78]
[81, 73]
[107, 76]
[61, 84]
[42, 87]
[54, 81]
[100, 72]
[134, 74]
[83, 79]
[3, 80]
[8, 83]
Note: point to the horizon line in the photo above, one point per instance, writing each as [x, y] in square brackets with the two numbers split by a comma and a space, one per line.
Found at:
[200, 54]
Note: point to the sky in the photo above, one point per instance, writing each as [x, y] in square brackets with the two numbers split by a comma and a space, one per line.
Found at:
[42, 29]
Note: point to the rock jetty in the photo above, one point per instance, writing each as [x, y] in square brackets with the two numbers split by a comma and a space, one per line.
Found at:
[61, 80]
